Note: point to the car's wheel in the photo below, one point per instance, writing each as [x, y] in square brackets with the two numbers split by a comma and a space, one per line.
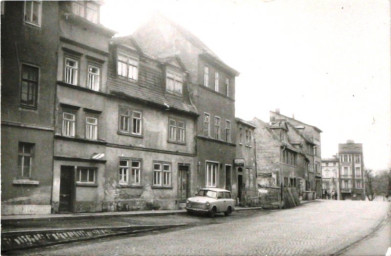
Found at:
[229, 211]
[212, 213]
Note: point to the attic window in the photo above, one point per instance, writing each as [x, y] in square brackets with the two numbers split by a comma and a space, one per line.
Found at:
[127, 67]
[88, 10]
[174, 82]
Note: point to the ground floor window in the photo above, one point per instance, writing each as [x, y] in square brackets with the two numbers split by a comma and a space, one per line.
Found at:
[162, 174]
[130, 172]
[211, 174]
[86, 175]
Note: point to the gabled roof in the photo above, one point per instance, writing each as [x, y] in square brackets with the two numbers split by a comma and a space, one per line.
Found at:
[292, 119]
[301, 134]
[248, 123]
[195, 41]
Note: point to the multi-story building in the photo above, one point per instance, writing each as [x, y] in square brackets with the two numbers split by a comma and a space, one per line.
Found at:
[246, 169]
[313, 149]
[90, 123]
[29, 41]
[351, 170]
[281, 155]
[330, 177]
[212, 90]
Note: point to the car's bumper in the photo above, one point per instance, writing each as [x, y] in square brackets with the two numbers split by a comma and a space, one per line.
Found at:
[189, 209]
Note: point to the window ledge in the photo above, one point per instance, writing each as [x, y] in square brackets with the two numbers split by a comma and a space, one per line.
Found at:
[25, 182]
[130, 134]
[82, 184]
[175, 142]
[128, 186]
[160, 187]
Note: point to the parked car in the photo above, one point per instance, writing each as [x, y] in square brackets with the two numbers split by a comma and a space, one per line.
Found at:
[211, 201]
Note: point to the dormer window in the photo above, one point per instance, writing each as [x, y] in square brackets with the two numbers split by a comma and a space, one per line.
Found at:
[174, 82]
[88, 10]
[127, 67]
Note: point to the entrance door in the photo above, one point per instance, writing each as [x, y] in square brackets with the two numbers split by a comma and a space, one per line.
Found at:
[67, 185]
[228, 178]
[183, 182]
[240, 188]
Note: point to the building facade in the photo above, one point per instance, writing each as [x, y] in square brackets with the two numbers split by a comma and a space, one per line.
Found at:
[313, 149]
[280, 155]
[29, 42]
[351, 171]
[212, 91]
[245, 164]
[330, 178]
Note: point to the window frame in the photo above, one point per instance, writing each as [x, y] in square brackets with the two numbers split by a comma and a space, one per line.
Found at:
[227, 132]
[206, 76]
[133, 178]
[89, 74]
[77, 61]
[89, 169]
[227, 87]
[23, 155]
[95, 127]
[162, 174]
[178, 131]
[128, 114]
[85, 9]
[217, 127]
[39, 15]
[204, 123]
[72, 122]
[209, 174]
[28, 81]
[130, 62]
[176, 79]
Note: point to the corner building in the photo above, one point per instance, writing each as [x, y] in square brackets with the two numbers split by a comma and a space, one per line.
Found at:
[211, 90]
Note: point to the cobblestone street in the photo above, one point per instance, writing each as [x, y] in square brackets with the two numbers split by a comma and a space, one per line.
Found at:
[318, 228]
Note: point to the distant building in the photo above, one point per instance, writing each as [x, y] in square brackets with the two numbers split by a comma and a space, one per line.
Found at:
[351, 170]
[312, 149]
[245, 163]
[330, 177]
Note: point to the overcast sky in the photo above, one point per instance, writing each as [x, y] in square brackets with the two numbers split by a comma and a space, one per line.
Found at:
[325, 62]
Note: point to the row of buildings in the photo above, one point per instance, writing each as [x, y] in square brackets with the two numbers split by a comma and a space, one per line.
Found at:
[92, 122]
[343, 175]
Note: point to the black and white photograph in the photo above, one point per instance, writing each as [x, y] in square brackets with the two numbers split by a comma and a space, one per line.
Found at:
[196, 127]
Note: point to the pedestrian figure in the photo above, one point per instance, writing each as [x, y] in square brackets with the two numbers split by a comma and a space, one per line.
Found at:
[332, 194]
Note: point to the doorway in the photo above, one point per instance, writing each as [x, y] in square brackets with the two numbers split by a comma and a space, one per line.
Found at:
[240, 186]
[67, 188]
[183, 182]
[228, 175]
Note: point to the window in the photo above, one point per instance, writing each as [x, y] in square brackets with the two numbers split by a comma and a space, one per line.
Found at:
[124, 120]
[211, 174]
[345, 171]
[357, 159]
[93, 78]
[358, 184]
[174, 82]
[130, 122]
[29, 87]
[358, 172]
[127, 67]
[71, 71]
[136, 123]
[32, 12]
[162, 174]
[87, 10]
[123, 172]
[216, 81]
[91, 128]
[227, 130]
[25, 159]
[206, 76]
[129, 172]
[240, 136]
[86, 175]
[217, 128]
[247, 136]
[176, 131]
[227, 86]
[206, 125]
[68, 124]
